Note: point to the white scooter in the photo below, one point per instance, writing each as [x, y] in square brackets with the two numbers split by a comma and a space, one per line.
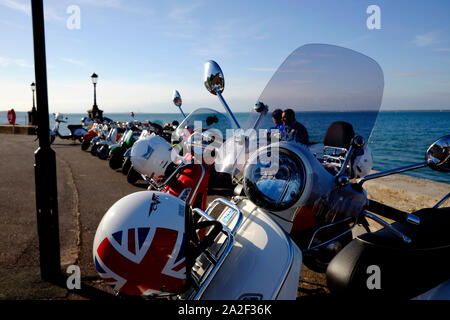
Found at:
[77, 131]
[153, 244]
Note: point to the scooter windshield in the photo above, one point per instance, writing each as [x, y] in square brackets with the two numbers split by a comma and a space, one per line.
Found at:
[312, 97]
[204, 119]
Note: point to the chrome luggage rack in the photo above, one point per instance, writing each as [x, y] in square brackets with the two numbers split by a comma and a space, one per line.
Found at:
[210, 261]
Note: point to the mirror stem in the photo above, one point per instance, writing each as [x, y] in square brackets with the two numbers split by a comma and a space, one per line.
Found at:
[227, 109]
[181, 110]
[393, 171]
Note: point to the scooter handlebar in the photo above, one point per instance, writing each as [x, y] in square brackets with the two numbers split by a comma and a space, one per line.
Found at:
[392, 213]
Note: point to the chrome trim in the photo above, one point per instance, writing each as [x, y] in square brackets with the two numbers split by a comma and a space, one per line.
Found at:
[227, 109]
[332, 239]
[198, 185]
[229, 204]
[393, 171]
[158, 186]
[389, 227]
[216, 261]
[413, 219]
[181, 110]
[442, 201]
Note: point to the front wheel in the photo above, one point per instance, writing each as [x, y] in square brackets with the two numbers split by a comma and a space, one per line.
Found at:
[85, 145]
[133, 176]
[126, 166]
[115, 161]
[103, 152]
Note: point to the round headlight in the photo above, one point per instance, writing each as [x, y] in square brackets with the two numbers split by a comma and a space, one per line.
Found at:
[274, 181]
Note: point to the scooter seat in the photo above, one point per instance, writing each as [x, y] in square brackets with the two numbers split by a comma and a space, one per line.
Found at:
[73, 127]
[405, 270]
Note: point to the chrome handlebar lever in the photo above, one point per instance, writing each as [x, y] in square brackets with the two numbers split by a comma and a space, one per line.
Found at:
[442, 201]
[389, 227]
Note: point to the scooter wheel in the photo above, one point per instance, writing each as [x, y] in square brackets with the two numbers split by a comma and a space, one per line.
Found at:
[52, 139]
[103, 152]
[94, 149]
[85, 145]
[115, 161]
[126, 166]
[133, 176]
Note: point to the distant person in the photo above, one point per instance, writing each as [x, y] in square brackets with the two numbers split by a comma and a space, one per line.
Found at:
[277, 121]
[295, 130]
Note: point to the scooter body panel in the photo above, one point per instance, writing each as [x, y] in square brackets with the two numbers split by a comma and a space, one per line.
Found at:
[249, 270]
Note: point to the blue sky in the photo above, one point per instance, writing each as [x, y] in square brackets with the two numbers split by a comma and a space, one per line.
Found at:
[142, 50]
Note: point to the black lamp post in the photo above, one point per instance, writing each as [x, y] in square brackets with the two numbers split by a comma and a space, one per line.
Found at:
[94, 78]
[33, 89]
[95, 112]
[45, 159]
[32, 115]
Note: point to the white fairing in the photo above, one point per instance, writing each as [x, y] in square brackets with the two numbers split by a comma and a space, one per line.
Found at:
[249, 269]
[441, 292]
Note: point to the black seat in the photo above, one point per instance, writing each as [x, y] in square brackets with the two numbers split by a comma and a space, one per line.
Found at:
[406, 270]
[73, 127]
[339, 134]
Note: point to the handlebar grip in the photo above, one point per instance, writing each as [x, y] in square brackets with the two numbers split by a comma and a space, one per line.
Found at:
[392, 213]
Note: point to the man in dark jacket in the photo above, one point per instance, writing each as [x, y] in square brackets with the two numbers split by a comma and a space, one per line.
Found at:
[296, 131]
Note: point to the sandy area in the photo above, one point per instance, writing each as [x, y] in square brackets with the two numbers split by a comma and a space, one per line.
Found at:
[405, 192]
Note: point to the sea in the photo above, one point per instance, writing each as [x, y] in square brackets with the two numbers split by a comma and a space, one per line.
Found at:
[398, 138]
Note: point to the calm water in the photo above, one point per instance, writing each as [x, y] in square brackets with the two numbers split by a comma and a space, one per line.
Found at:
[398, 139]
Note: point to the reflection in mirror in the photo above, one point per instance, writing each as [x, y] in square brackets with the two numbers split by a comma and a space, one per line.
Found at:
[213, 77]
[176, 98]
[438, 154]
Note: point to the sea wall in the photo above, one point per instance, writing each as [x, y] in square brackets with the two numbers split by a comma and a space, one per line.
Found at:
[17, 129]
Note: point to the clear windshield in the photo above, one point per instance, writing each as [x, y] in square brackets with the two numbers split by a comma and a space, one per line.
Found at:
[204, 118]
[321, 84]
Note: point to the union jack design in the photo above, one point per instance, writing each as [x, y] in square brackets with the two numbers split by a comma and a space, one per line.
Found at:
[140, 261]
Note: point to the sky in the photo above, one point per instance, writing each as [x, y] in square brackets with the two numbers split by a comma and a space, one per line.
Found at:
[143, 50]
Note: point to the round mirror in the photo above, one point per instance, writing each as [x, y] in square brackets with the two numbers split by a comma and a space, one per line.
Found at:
[176, 98]
[438, 154]
[213, 77]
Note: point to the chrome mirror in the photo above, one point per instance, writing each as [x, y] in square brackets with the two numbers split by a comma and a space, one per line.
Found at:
[213, 77]
[438, 154]
[176, 98]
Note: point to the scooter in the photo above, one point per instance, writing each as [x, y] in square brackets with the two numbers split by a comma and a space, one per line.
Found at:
[409, 257]
[246, 251]
[76, 130]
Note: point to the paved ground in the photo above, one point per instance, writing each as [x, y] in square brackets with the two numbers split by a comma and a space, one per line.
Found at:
[87, 187]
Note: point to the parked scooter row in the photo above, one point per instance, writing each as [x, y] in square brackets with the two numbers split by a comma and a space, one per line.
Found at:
[292, 203]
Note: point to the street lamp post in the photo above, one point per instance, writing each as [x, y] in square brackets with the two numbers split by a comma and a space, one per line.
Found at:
[33, 89]
[95, 112]
[45, 160]
[32, 115]
[94, 78]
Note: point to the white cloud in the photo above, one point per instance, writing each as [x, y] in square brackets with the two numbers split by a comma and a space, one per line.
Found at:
[77, 63]
[50, 14]
[101, 3]
[426, 39]
[6, 62]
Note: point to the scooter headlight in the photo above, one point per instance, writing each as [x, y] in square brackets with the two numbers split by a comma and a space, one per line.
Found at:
[274, 180]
